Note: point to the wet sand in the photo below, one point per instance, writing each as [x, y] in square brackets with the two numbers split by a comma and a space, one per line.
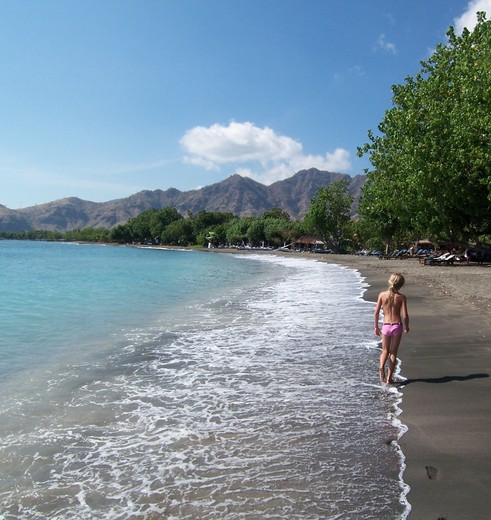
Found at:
[446, 406]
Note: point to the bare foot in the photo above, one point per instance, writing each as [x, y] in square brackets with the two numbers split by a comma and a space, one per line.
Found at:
[381, 371]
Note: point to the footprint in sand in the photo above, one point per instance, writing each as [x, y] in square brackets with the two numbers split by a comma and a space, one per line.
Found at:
[432, 472]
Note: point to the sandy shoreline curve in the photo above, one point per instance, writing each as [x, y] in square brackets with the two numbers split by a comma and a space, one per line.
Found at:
[446, 359]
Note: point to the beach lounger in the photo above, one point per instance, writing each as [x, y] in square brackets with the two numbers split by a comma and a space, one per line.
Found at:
[445, 259]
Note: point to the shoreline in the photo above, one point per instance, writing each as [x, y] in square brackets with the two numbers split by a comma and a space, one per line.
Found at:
[446, 358]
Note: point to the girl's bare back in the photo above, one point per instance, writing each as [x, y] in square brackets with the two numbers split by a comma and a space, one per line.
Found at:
[392, 313]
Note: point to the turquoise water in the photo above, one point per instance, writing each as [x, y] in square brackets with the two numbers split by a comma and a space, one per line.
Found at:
[145, 383]
[60, 296]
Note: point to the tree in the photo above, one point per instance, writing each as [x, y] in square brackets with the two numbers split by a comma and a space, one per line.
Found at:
[209, 226]
[329, 215]
[140, 227]
[178, 233]
[278, 231]
[237, 230]
[160, 219]
[207, 219]
[120, 234]
[276, 213]
[255, 231]
[432, 158]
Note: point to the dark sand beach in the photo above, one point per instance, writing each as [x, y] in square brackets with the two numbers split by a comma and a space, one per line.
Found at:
[446, 358]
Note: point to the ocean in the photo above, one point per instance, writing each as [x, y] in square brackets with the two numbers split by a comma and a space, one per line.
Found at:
[143, 383]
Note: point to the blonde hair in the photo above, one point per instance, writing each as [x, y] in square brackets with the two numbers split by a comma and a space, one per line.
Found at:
[396, 281]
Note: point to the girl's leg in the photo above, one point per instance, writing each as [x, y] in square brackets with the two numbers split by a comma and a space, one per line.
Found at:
[394, 347]
[383, 357]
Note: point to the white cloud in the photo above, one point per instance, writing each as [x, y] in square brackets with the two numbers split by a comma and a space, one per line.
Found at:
[383, 44]
[468, 18]
[334, 162]
[259, 153]
[237, 142]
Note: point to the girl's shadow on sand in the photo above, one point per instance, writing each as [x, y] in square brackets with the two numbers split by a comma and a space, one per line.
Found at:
[444, 379]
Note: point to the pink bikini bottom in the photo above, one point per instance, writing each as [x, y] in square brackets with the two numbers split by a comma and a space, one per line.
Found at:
[392, 329]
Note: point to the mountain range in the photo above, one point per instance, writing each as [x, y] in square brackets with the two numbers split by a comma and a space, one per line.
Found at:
[238, 195]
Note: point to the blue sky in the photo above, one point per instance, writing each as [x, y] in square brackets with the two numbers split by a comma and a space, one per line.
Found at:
[102, 99]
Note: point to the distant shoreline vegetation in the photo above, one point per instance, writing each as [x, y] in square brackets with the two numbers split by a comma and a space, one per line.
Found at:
[167, 227]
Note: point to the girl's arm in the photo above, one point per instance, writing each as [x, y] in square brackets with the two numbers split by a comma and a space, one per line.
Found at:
[376, 315]
[405, 315]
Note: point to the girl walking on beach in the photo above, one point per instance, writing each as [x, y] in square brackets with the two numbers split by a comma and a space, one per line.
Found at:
[396, 321]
